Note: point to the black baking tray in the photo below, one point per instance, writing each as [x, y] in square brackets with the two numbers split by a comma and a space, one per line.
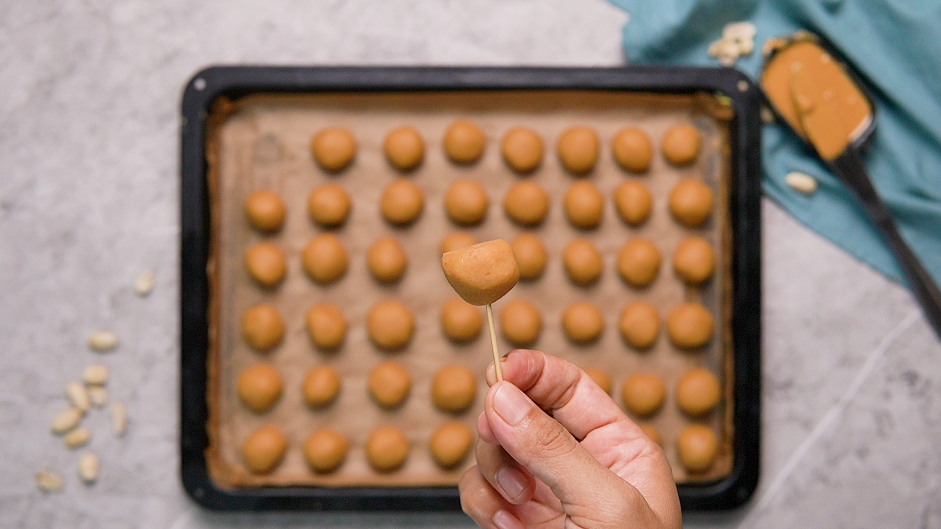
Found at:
[234, 82]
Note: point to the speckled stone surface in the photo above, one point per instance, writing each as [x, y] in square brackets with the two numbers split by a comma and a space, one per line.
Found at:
[88, 200]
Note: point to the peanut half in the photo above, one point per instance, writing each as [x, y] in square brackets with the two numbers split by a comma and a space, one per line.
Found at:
[78, 395]
[144, 283]
[118, 419]
[96, 375]
[88, 467]
[66, 420]
[802, 183]
[49, 481]
[98, 396]
[77, 437]
[103, 341]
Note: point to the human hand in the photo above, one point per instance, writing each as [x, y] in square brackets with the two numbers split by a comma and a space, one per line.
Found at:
[587, 465]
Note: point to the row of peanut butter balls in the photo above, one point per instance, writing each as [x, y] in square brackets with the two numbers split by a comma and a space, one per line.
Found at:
[325, 260]
[466, 203]
[522, 149]
[391, 325]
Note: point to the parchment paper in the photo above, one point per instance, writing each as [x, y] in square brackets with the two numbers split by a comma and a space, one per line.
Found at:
[263, 142]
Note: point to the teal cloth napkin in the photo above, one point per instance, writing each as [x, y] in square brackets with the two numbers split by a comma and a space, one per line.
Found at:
[895, 48]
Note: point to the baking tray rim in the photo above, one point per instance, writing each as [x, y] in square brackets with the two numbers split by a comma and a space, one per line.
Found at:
[234, 82]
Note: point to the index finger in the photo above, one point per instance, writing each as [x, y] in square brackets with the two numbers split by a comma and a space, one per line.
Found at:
[554, 385]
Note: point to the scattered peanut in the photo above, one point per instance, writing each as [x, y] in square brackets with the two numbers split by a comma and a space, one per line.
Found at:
[77, 437]
[118, 419]
[49, 481]
[767, 116]
[738, 39]
[801, 182]
[88, 467]
[103, 341]
[96, 375]
[739, 31]
[77, 395]
[66, 420]
[98, 396]
[144, 283]
[726, 51]
[771, 45]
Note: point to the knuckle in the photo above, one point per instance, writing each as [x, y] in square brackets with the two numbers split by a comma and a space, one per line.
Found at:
[550, 439]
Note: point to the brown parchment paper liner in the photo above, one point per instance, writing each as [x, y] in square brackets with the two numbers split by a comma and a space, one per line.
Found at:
[262, 142]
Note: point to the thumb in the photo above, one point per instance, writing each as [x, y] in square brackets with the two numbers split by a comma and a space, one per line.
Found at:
[543, 446]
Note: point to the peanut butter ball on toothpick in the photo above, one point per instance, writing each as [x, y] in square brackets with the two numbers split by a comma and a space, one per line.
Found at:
[481, 274]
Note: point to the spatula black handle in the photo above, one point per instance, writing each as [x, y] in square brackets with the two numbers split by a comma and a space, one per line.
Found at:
[849, 168]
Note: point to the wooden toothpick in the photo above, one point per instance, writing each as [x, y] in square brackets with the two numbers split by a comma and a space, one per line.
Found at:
[493, 343]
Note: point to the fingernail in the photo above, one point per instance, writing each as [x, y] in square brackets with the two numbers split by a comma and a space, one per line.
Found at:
[512, 482]
[505, 520]
[510, 403]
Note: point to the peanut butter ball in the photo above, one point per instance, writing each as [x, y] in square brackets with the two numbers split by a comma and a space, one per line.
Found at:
[461, 321]
[689, 326]
[450, 444]
[328, 205]
[530, 255]
[386, 260]
[697, 447]
[694, 261]
[453, 388]
[601, 377]
[387, 448]
[404, 148]
[325, 450]
[333, 148]
[266, 264]
[691, 203]
[402, 202]
[466, 202]
[520, 322]
[639, 262]
[456, 241]
[265, 210]
[582, 322]
[584, 205]
[483, 273]
[633, 202]
[390, 325]
[681, 144]
[578, 149]
[522, 149]
[697, 392]
[262, 327]
[464, 142]
[526, 203]
[264, 449]
[324, 258]
[389, 384]
[632, 150]
[321, 386]
[582, 262]
[639, 324]
[326, 326]
[259, 387]
[643, 394]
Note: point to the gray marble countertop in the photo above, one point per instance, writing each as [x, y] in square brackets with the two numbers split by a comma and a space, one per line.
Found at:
[89, 114]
